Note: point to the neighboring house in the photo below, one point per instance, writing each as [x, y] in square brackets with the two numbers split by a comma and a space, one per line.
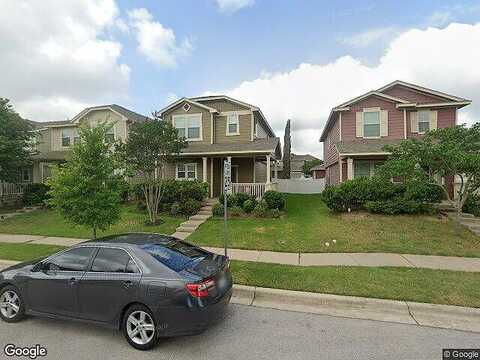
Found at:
[55, 138]
[296, 165]
[357, 130]
[318, 172]
[218, 128]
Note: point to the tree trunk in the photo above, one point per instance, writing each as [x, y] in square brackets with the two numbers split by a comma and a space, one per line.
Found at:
[94, 232]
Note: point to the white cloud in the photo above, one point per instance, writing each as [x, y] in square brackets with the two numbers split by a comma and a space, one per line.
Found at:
[55, 58]
[440, 18]
[442, 59]
[368, 37]
[156, 42]
[230, 6]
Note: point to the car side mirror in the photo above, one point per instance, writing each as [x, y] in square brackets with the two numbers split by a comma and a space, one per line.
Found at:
[41, 266]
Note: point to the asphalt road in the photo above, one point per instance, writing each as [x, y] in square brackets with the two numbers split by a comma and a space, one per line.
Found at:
[247, 333]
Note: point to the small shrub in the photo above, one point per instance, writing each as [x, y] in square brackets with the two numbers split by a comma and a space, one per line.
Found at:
[235, 211]
[171, 190]
[274, 199]
[472, 205]
[218, 210]
[261, 210]
[36, 194]
[196, 190]
[242, 197]
[397, 206]
[190, 207]
[275, 213]
[424, 192]
[231, 200]
[175, 209]
[249, 205]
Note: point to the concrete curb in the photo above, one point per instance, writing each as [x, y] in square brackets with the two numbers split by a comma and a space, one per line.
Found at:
[441, 316]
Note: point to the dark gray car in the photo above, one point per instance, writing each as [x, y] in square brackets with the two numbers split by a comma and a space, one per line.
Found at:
[147, 285]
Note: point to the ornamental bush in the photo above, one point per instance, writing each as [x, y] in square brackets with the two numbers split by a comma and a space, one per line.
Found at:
[261, 210]
[218, 209]
[249, 205]
[36, 194]
[274, 199]
[190, 206]
[397, 206]
[242, 197]
[231, 199]
[472, 205]
[424, 192]
[235, 211]
[195, 189]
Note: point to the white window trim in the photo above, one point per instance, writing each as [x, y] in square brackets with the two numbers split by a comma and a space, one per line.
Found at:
[200, 138]
[186, 175]
[418, 121]
[377, 110]
[227, 131]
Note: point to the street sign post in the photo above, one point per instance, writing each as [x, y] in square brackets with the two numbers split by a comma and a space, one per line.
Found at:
[227, 189]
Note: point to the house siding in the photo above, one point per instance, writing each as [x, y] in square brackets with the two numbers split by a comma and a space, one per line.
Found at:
[223, 105]
[402, 92]
[245, 123]
[206, 120]
[330, 153]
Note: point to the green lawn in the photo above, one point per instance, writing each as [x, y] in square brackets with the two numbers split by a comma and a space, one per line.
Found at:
[309, 224]
[24, 252]
[51, 223]
[420, 285]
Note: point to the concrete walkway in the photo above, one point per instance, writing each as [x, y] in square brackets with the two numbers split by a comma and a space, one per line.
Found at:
[188, 227]
[302, 259]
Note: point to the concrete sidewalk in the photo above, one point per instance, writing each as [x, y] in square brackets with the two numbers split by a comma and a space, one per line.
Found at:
[303, 259]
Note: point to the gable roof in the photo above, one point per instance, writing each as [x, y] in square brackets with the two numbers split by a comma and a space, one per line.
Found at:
[450, 101]
[224, 97]
[188, 100]
[421, 89]
[129, 114]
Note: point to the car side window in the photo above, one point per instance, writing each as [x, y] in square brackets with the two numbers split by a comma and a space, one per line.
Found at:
[113, 260]
[71, 260]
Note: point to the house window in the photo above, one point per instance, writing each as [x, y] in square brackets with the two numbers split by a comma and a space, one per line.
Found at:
[365, 168]
[186, 171]
[371, 124]
[188, 126]
[423, 121]
[76, 136]
[26, 175]
[66, 137]
[110, 135]
[233, 126]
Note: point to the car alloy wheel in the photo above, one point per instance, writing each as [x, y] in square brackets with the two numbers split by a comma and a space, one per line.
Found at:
[9, 304]
[140, 327]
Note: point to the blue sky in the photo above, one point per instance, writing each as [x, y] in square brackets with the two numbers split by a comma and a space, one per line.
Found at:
[294, 59]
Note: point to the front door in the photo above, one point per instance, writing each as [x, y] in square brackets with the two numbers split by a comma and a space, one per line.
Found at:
[111, 283]
[53, 289]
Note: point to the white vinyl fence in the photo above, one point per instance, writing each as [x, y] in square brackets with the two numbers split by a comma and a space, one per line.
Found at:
[301, 186]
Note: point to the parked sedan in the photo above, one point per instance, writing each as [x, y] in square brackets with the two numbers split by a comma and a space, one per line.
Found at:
[147, 285]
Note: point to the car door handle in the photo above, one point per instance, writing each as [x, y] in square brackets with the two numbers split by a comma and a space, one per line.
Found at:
[127, 284]
[72, 281]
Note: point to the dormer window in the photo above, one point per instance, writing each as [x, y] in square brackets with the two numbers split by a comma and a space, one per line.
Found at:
[233, 125]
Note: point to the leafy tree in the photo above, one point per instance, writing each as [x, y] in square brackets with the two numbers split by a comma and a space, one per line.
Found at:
[87, 188]
[15, 136]
[149, 148]
[442, 153]
[286, 152]
[309, 164]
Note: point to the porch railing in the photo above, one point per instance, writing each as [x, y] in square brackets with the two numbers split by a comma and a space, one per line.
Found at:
[256, 189]
[8, 189]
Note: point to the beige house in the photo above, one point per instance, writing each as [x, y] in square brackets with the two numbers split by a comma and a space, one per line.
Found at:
[215, 127]
[218, 128]
[55, 138]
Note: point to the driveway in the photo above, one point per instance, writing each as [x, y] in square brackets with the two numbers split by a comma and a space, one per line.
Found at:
[248, 333]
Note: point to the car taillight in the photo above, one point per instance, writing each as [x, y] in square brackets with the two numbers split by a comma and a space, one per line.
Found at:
[200, 290]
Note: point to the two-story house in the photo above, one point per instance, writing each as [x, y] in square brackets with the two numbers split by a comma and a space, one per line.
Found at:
[55, 138]
[218, 128]
[357, 130]
[215, 127]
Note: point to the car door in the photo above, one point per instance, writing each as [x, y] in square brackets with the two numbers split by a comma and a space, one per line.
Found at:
[111, 283]
[53, 288]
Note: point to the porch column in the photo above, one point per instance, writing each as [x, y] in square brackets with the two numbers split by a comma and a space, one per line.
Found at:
[204, 168]
[254, 169]
[211, 177]
[268, 169]
[349, 168]
[275, 169]
[340, 169]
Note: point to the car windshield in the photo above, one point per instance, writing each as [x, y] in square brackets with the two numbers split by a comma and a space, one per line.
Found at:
[175, 254]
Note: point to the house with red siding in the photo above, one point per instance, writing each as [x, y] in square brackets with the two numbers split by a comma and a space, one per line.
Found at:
[357, 130]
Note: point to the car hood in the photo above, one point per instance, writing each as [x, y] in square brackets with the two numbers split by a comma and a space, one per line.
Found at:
[22, 265]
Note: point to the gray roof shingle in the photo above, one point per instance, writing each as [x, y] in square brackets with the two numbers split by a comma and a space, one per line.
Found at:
[364, 146]
[267, 145]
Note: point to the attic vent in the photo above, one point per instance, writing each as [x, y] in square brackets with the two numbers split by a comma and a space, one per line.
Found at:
[186, 106]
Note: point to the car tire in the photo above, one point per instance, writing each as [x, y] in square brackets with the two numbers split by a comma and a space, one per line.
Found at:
[139, 327]
[13, 309]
